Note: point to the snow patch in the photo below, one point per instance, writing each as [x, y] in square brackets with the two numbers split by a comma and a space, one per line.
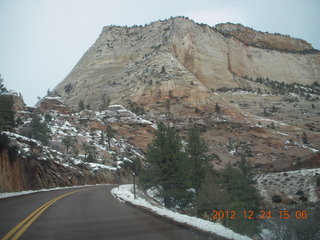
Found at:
[124, 193]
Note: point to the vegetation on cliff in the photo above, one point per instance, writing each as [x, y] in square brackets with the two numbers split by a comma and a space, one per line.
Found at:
[6, 111]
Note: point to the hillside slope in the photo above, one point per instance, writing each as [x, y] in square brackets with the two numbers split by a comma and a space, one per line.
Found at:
[146, 64]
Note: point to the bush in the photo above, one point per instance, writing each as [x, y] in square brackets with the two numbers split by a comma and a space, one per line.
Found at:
[4, 141]
[211, 196]
[13, 152]
[68, 88]
[6, 113]
[276, 198]
[292, 228]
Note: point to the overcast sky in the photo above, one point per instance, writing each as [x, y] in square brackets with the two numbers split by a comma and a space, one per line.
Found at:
[42, 40]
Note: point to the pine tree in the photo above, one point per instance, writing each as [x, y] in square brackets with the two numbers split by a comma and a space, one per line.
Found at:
[305, 138]
[68, 142]
[244, 166]
[102, 138]
[211, 196]
[6, 113]
[47, 118]
[109, 135]
[39, 130]
[86, 148]
[2, 87]
[243, 197]
[105, 102]
[196, 149]
[81, 105]
[167, 167]
[217, 108]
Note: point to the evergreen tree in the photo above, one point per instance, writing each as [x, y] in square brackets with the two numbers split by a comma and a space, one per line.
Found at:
[244, 166]
[217, 108]
[211, 196]
[81, 105]
[2, 87]
[167, 167]
[90, 158]
[105, 102]
[86, 148]
[305, 138]
[109, 135]
[68, 142]
[243, 197]
[47, 118]
[39, 130]
[196, 149]
[6, 113]
[93, 151]
[102, 138]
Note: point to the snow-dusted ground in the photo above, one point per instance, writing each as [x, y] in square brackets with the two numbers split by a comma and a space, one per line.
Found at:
[287, 184]
[12, 194]
[124, 193]
[70, 125]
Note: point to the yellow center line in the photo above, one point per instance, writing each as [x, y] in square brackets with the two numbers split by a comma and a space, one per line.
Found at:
[21, 227]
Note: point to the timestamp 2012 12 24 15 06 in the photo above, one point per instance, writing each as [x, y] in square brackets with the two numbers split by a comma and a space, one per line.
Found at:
[261, 214]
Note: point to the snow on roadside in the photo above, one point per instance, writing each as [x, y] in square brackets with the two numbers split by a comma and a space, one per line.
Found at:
[124, 194]
[13, 194]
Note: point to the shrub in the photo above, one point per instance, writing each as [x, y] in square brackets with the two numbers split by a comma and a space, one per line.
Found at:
[6, 113]
[276, 198]
[4, 141]
[68, 88]
[318, 181]
[13, 152]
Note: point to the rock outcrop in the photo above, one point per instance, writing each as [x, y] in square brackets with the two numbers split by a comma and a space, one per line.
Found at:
[26, 163]
[273, 41]
[177, 71]
[181, 58]
[18, 174]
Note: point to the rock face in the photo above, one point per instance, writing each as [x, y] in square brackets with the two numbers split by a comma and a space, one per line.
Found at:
[264, 40]
[177, 71]
[54, 104]
[180, 58]
[18, 174]
[26, 163]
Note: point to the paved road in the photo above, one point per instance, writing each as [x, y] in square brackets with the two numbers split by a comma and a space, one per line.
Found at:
[89, 214]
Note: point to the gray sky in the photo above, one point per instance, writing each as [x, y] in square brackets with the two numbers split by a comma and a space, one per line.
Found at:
[42, 40]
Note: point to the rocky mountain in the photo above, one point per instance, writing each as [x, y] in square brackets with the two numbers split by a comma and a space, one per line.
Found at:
[29, 164]
[180, 58]
[266, 85]
[257, 39]
[251, 95]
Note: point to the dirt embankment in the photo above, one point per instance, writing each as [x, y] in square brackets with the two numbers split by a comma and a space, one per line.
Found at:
[18, 174]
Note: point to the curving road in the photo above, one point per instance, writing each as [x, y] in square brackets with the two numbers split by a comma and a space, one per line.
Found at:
[89, 213]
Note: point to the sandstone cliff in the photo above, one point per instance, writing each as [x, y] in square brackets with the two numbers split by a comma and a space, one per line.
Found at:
[29, 164]
[267, 86]
[17, 174]
[258, 39]
[188, 60]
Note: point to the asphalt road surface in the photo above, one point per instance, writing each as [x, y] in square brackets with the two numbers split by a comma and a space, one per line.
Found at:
[82, 213]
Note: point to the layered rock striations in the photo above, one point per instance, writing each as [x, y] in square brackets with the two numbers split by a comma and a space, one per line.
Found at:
[144, 64]
[266, 86]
